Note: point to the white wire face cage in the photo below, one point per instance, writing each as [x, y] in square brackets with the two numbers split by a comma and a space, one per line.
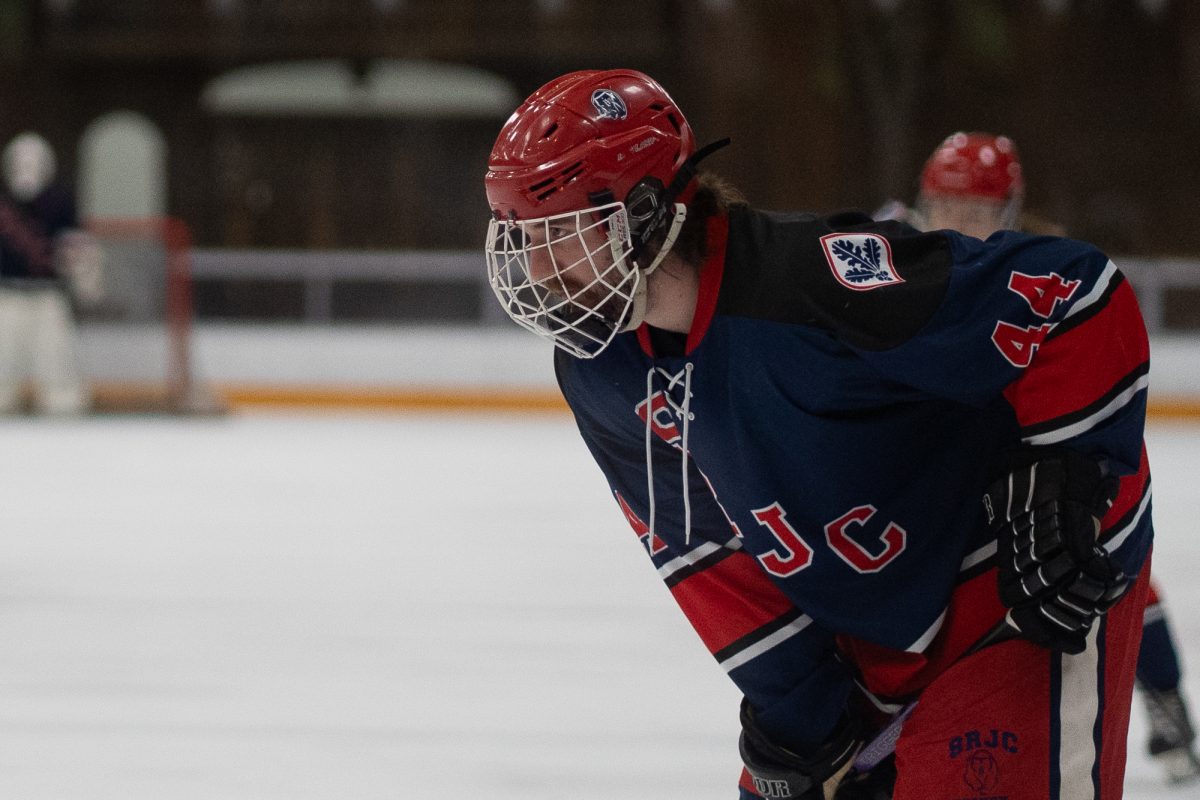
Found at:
[567, 277]
[968, 214]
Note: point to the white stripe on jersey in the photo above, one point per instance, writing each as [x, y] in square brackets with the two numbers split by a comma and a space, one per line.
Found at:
[1078, 709]
[1087, 423]
[978, 556]
[921, 643]
[1098, 289]
[887, 708]
[1117, 539]
[763, 645]
[695, 555]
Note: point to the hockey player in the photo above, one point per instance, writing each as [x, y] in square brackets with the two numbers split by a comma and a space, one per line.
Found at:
[856, 453]
[37, 237]
[960, 192]
[973, 183]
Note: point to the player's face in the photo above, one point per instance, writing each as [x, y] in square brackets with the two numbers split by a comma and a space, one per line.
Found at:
[976, 217]
[570, 257]
[567, 277]
[28, 168]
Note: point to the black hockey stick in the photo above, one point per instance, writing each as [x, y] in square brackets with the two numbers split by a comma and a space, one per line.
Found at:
[884, 743]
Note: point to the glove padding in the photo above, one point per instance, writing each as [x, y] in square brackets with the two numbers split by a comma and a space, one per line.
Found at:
[778, 773]
[1053, 575]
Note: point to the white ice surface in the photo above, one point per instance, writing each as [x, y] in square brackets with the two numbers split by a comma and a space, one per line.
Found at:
[289, 607]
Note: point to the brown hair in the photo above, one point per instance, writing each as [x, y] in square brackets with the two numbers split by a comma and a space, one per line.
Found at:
[714, 195]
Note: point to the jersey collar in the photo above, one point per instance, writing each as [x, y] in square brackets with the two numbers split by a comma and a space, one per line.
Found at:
[711, 272]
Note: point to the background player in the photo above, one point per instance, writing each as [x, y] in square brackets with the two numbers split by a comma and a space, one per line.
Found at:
[974, 183]
[41, 249]
[848, 460]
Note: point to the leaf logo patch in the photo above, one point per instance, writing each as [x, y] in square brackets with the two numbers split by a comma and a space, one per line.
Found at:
[860, 261]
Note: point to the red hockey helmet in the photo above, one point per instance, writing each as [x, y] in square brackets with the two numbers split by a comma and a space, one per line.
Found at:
[584, 136]
[581, 178]
[974, 165]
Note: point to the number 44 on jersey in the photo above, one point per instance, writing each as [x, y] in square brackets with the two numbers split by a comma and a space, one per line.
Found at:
[1043, 293]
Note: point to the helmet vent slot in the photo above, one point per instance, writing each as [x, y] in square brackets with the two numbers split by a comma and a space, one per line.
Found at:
[541, 184]
[674, 123]
[572, 172]
[550, 131]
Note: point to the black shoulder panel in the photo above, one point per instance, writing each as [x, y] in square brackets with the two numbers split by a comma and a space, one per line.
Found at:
[873, 288]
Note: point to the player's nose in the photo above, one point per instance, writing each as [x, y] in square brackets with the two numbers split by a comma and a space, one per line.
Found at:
[541, 264]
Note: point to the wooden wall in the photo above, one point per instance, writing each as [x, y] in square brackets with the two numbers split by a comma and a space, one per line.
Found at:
[830, 103]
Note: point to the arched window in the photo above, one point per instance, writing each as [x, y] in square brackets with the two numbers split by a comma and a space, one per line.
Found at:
[388, 87]
[325, 154]
[122, 167]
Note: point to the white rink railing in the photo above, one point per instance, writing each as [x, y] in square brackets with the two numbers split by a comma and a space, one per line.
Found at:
[1152, 278]
[320, 270]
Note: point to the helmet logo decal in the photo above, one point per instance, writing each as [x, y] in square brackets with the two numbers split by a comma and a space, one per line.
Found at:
[608, 104]
[860, 261]
[643, 144]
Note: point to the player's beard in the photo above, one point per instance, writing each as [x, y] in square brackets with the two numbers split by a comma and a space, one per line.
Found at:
[588, 317]
[598, 298]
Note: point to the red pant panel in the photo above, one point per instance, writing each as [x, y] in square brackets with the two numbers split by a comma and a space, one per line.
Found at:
[1018, 722]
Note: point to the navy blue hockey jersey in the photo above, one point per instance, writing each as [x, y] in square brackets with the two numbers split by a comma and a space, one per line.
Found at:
[28, 231]
[806, 467]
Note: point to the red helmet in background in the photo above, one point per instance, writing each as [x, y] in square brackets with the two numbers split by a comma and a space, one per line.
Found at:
[586, 138]
[974, 165]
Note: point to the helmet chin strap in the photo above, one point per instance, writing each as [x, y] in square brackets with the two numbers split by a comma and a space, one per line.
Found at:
[637, 310]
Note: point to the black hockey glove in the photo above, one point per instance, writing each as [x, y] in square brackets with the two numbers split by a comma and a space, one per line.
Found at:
[780, 773]
[1053, 575]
